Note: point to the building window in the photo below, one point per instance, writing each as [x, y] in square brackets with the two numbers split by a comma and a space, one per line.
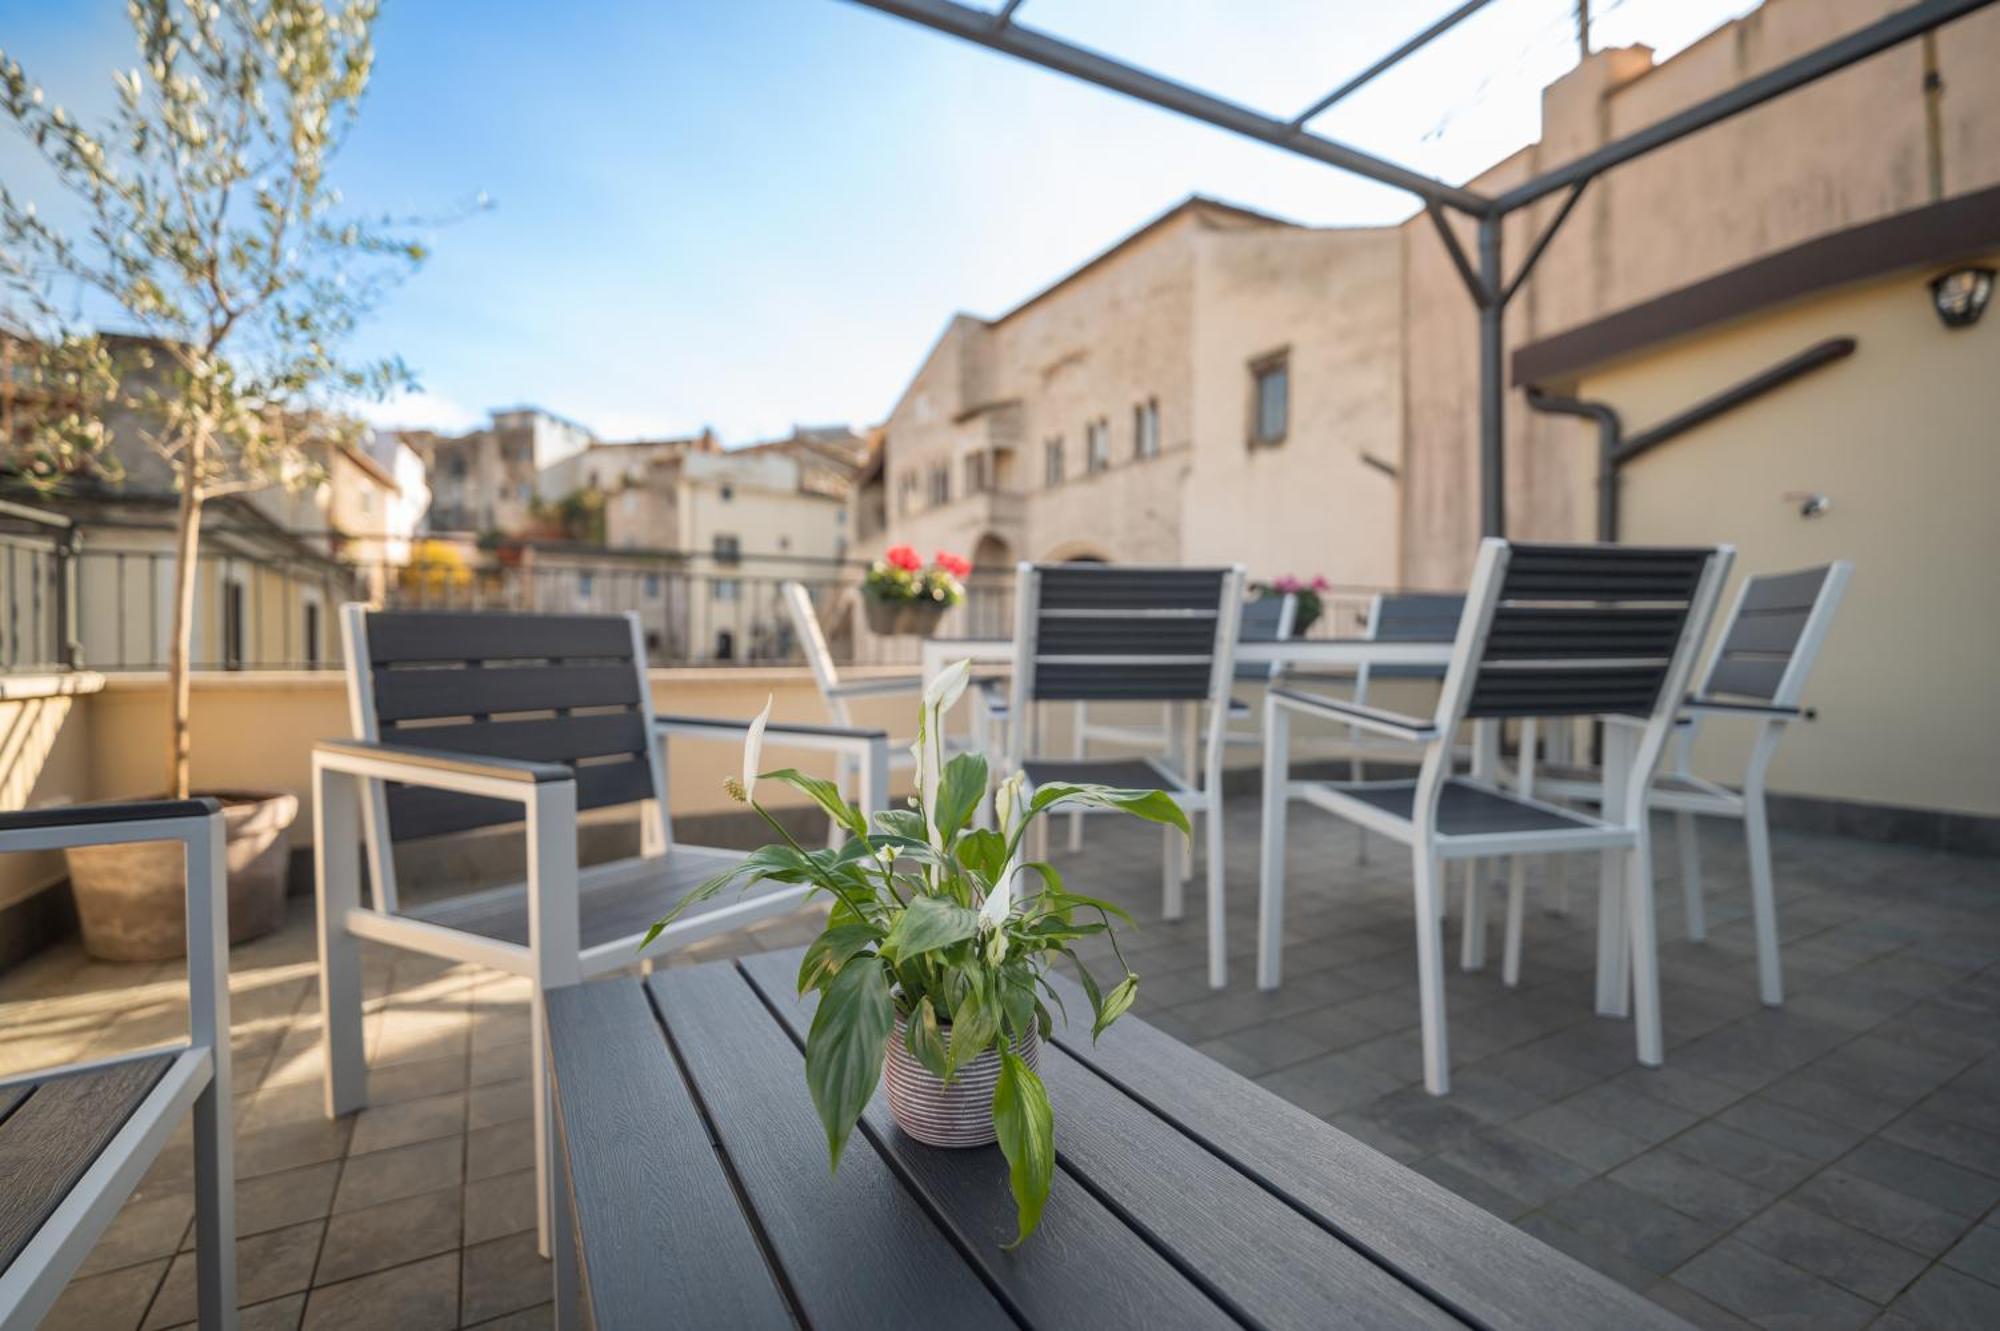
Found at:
[312, 633]
[652, 586]
[1270, 398]
[940, 483]
[728, 549]
[1052, 461]
[1097, 445]
[232, 626]
[906, 492]
[584, 583]
[728, 493]
[978, 478]
[1146, 429]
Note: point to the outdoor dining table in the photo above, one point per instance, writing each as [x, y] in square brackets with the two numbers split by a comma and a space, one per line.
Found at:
[1184, 1194]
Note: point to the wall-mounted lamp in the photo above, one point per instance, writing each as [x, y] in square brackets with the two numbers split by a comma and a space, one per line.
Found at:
[1961, 295]
[1811, 504]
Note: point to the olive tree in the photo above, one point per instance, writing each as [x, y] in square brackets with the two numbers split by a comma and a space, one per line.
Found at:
[200, 216]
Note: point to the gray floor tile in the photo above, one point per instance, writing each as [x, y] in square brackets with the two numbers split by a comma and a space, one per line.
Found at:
[1771, 1293]
[504, 1276]
[376, 1237]
[405, 1171]
[499, 1206]
[290, 1197]
[1970, 1148]
[268, 1265]
[1978, 1253]
[1692, 1189]
[1795, 1130]
[1945, 1300]
[1883, 1212]
[1578, 1136]
[1694, 1309]
[421, 1296]
[1638, 1228]
[1742, 1156]
[1874, 1268]
[500, 1149]
[381, 1127]
[1514, 1164]
[1923, 1176]
[114, 1301]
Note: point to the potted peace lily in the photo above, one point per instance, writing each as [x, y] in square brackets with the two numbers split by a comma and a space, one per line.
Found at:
[936, 953]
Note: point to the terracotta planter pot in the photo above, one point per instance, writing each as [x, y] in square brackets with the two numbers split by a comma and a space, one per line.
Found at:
[132, 900]
[957, 1113]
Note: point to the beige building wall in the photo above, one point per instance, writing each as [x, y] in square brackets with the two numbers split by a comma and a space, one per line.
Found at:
[1852, 148]
[1901, 437]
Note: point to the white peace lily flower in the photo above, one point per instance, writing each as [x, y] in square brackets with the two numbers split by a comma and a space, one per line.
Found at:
[1005, 800]
[993, 911]
[753, 748]
[939, 696]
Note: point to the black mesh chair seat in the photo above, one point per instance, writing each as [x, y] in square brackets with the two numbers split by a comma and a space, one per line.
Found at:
[1124, 773]
[1463, 809]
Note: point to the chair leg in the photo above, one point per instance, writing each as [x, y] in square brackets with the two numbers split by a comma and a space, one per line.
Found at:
[1430, 970]
[1517, 891]
[1472, 930]
[1763, 905]
[1218, 951]
[1173, 895]
[214, 1207]
[1078, 749]
[1612, 975]
[337, 883]
[1559, 879]
[1645, 950]
[546, 1221]
[1690, 857]
[1271, 857]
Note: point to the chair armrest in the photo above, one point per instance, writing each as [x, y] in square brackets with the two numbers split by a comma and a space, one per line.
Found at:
[1696, 703]
[442, 768]
[845, 739]
[874, 688]
[102, 824]
[1393, 724]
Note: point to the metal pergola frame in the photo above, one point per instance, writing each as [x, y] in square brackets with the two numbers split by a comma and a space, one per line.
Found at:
[1483, 274]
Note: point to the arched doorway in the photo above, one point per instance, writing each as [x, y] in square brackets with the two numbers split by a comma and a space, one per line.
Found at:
[989, 595]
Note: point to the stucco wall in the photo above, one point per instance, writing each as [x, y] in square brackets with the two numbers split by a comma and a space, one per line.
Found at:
[1901, 437]
[1852, 148]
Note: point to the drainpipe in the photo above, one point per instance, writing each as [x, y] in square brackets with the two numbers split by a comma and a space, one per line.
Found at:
[1610, 433]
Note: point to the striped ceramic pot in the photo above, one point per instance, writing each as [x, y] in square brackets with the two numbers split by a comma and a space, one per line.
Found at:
[954, 1113]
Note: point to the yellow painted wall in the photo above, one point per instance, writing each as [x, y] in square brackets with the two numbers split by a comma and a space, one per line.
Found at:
[1904, 438]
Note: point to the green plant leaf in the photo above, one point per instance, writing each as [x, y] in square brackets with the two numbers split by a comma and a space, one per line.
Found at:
[1090, 989]
[973, 1026]
[960, 789]
[1027, 1132]
[925, 1041]
[926, 925]
[824, 793]
[1155, 806]
[779, 863]
[1115, 1003]
[1061, 900]
[1017, 998]
[831, 950]
[850, 1033]
[905, 823]
[983, 852]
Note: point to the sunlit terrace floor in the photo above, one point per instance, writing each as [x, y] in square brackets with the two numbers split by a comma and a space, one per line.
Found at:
[1834, 1164]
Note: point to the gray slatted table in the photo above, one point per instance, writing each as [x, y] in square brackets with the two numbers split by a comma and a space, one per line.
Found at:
[1185, 1196]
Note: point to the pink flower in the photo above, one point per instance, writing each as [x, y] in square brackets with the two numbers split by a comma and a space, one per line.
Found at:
[953, 564]
[1286, 584]
[905, 558]
[1320, 583]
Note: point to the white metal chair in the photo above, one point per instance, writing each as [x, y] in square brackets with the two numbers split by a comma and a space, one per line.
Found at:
[1757, 672]
[467, 721]
[76, 1140]
[989, 705]
[1548, 630]
[1126, 633]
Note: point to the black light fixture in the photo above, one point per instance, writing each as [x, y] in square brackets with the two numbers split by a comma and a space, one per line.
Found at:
[1961, 295]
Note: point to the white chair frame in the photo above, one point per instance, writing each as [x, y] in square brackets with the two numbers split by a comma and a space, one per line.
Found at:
[1203, 799]
[196, 1083]
[1628, 967]
[1688, 796]
[349, 809]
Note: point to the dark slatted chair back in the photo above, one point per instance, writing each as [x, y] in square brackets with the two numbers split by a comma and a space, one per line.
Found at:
[545, 688]
[1414, 617]
[1763, 637]
[1263, 620]
[1582, 630]
[1108, 633]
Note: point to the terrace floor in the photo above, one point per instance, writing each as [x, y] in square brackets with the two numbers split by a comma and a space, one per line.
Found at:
[1833, 1164]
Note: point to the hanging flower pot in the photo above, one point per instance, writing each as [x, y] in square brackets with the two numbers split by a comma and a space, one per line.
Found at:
[920, 618]
[884, 617]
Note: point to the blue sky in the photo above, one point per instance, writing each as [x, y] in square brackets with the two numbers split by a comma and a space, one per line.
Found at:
[749, 213]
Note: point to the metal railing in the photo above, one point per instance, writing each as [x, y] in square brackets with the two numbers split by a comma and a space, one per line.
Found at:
[37, 590]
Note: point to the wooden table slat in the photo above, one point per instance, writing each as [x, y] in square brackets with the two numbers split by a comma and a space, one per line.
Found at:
[857, 1248]
[669, 1244]
[1474, 1263]
[56, 1130]
[1084, 1266]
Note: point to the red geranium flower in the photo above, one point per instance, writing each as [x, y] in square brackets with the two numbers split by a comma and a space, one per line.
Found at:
[904, 557]
[953, 564]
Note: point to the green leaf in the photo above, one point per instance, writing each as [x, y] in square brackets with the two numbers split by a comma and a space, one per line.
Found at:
[1017, 998]
[850, 1034]
[1061, 900]
[1027, 1131]
[905, 823]
[926, 925]
[779, 863]
[1115, 1003]
[824, 793]
[983, 852]
[960, 789]
[831, 950]
[1155, 806]
[1090, 989]
[973, 1027]
[925, 1041]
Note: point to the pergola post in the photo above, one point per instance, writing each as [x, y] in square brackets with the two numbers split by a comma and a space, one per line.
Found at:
[1492, 382]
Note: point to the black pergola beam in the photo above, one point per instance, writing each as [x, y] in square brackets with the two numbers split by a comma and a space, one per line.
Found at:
[1394, 58]
[1811, 67]
[1038, 48]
